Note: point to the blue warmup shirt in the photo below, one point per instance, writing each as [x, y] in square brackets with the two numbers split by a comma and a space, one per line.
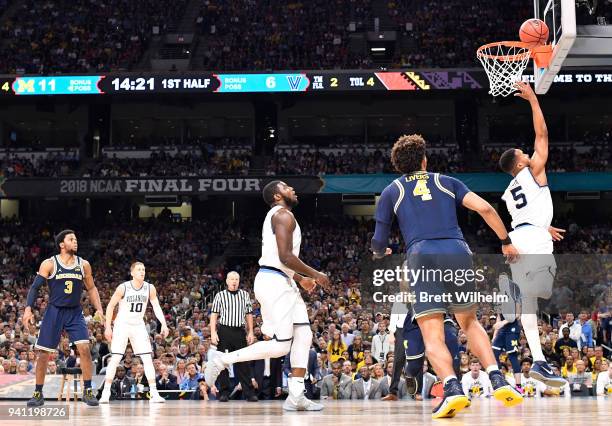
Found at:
[425, 205]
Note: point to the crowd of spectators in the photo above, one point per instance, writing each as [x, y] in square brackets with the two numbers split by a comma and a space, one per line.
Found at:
[246, 35]
[347, 160]
[349, 332]
[259, 35]
[49, 166]
[76, 36]
[447, 33]
[595, 158]
[183, 165]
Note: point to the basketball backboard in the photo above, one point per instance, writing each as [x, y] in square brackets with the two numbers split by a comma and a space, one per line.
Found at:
[576, 42]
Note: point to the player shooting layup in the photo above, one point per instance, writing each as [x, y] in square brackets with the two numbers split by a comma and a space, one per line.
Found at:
[285, 319]
[529, 203]
[132, 297]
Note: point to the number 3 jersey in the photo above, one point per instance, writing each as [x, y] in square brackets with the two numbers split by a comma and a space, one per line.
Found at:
[528, 202]
[134, 303]
[66, 283]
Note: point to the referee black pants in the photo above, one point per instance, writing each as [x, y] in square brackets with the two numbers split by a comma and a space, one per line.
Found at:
[231, 339]
[399, 359]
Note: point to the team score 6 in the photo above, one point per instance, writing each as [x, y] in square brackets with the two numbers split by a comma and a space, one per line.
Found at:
[421, 190]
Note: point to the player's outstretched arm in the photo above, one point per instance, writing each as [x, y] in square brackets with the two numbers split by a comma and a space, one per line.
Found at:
[474, 202]
[283, 223]
[157, 310]
[540, 155]
[44, 271]
[117, 296]
[92, 291]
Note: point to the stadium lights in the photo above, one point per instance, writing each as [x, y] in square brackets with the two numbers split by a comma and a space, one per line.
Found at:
[378, 49]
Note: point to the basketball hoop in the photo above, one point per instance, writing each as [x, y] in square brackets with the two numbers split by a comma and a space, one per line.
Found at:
[504, 62]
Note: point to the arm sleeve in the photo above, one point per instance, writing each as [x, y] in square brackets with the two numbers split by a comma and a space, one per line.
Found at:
[384, 217]
[33, 293]
[159, 314]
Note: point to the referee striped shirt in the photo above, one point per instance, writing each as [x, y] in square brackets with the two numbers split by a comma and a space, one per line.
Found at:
[232, 307]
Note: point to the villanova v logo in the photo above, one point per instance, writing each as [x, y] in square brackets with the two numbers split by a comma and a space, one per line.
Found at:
[294, 82]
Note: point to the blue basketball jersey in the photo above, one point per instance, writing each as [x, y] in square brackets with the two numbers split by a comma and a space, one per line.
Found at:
[425, 205]
[66, 283]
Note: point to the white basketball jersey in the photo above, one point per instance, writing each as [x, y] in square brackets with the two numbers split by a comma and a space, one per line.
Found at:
[527, 201]
[134, 303]
[269, 249]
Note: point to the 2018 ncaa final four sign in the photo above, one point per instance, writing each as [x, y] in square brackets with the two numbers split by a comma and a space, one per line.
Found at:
[41, 187]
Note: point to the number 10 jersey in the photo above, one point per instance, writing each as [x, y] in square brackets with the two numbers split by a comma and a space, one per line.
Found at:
[133, 304]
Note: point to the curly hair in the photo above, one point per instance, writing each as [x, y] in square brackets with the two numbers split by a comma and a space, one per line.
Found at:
[408, 153]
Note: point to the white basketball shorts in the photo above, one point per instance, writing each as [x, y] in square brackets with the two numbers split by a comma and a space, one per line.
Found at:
[282, 305]
[535, 270]
[135, 333]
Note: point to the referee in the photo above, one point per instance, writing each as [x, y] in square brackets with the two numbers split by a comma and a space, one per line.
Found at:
[233, 308]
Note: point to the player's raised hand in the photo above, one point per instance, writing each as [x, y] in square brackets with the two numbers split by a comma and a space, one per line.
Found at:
[108, 334]
[556, 233]
[524, 90]
[28, 317]
[510, 252]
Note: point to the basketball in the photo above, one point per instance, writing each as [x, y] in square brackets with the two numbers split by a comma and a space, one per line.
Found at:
[534, 32]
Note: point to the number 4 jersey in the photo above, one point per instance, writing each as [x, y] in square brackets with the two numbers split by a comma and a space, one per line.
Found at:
[134, 303]
[528, 202]
[425, 205]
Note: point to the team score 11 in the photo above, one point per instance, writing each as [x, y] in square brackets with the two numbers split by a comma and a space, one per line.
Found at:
[421, 190]
[68, 289]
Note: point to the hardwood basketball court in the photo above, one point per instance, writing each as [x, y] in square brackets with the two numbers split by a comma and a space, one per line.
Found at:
[533, 412]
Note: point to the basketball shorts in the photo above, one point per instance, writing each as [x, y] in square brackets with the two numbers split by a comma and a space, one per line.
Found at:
[536, 267]
[135, 333]
[507, 338]
[415, 347]
[282, 306]
[445, 276]
[55, 320]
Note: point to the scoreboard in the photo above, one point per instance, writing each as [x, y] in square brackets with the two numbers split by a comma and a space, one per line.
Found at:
[341, 81]
[310, 81]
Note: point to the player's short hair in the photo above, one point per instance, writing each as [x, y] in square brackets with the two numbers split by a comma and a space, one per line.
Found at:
[407, 153]
[507, 160]
[133, 265]
[270, 190]
[59, 238]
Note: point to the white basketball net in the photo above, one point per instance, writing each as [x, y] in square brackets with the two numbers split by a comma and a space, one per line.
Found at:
[504, 64]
